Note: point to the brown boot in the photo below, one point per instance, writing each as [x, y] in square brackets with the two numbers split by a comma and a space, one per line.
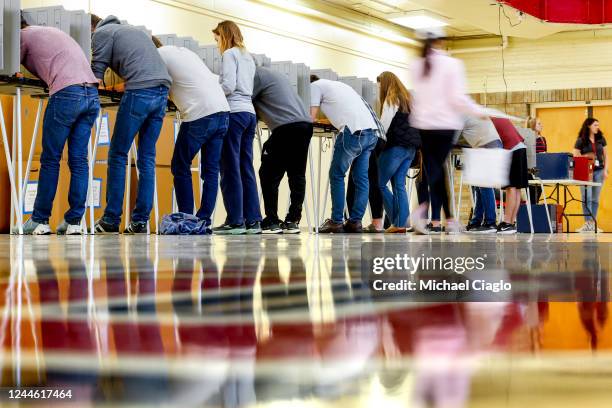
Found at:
[330, 227]
[353, 227]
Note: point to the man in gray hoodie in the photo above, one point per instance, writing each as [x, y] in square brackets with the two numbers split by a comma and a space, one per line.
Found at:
[286, 151]
[130, 53]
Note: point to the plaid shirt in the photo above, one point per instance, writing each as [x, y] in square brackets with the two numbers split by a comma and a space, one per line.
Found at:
[541, 146]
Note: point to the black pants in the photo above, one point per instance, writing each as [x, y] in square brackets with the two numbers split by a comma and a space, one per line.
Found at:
[437, 144]
[286, 151]
[375, 195]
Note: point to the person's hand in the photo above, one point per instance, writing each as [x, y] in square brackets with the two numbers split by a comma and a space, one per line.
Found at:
[606, 173]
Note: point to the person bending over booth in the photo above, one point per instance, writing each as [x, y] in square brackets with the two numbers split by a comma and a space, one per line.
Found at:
[73, 107]
[481, 133]
[130, 53]
[280, 107]
[204, 120]
[359, 132]
[518, 179]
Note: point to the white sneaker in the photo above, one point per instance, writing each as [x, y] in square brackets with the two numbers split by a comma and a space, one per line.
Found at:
[69, 229]
[31, 227]
[418, 220]
[454, 228]
[587, 227]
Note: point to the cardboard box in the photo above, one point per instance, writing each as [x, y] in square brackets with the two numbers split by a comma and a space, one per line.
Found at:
[5, 189]
[60, 204]
[540, 221]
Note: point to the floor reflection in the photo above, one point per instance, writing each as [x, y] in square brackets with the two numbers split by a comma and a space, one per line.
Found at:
[291, 321]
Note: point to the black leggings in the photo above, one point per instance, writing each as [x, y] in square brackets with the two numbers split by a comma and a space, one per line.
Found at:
[437, 144]
[375, 195]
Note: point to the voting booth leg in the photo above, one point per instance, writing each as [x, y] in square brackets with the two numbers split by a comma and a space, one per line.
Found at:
[319, 183]
[312, 192]
[30, 156]
[501, 205]
[458, 209]
[19, 156]
[9, 162]
[327, 186]
[92, 164]
[155, 203]
[528, 205]
[550, 225]
[259, 137]
[128, 185]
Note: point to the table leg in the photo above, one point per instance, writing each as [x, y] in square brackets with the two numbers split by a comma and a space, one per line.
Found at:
[550, 226]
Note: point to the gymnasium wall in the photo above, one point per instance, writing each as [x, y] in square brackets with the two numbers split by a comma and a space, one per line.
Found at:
[561, 61]
[280, 34]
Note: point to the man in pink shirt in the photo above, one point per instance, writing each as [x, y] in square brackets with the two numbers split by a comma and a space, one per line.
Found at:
[55, 58]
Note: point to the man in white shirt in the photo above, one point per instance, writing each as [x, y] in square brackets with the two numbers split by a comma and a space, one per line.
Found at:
[348, 113]
[197, 94]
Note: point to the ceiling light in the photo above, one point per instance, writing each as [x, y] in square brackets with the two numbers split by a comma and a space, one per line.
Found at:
[418, 19]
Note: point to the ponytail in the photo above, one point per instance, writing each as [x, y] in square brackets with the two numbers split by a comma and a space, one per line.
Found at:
[425, 55]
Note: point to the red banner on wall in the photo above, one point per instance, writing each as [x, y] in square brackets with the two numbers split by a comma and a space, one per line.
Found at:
[566, 11]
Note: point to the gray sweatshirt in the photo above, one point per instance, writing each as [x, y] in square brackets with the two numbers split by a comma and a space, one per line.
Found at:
[237, 72]
[130, 53]
[275, 100]
[478, 132]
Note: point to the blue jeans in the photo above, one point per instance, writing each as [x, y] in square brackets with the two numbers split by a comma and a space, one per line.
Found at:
[484, 206]
[393, 165]
[141, 111]
[205, 134]
[69, 116]
[351, 147]
[238, 181]
[590, 196]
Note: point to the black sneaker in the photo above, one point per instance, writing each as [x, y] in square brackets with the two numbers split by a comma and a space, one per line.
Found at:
[269, 226]
[103, 227]
[253, 228]
[431, 230]
[484, 229]
[506, 229]
[472, 226]
[290, 227]
[230, 229]
[136, 228]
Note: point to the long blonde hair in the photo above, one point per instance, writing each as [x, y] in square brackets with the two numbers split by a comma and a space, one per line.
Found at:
[532, 122]
[230, 36]
[393, 92]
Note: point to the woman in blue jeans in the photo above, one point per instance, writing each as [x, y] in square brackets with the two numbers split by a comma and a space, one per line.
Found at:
[591, 143]
[399, 151]
[238, 182]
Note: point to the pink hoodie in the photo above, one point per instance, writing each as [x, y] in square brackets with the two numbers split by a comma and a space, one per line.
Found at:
[439, 101]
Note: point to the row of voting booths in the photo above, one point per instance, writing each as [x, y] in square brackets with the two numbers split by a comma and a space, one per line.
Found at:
[23, 161]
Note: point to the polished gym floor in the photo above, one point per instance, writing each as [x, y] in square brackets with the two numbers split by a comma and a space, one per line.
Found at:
[286, 321]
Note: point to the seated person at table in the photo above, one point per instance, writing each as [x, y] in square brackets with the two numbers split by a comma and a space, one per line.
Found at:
[130, 53]
[204, 120]
[280, 107]
[358, 128]
[481, 133]
[73, 107]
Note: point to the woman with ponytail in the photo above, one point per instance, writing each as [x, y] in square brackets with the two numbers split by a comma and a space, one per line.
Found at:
[439, 102]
